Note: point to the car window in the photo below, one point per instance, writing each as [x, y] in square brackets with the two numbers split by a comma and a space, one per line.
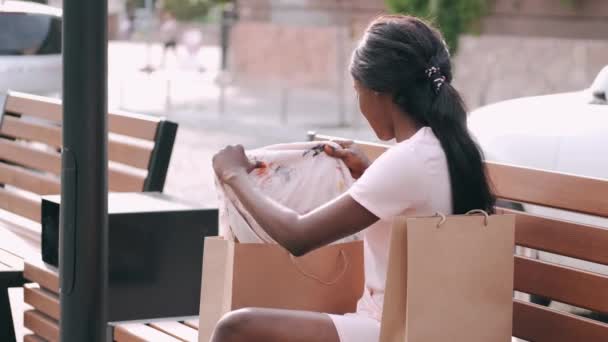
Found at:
[29, 34]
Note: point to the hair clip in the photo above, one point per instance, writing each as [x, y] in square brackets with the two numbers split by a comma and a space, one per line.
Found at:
[432, 71]
[434, 74]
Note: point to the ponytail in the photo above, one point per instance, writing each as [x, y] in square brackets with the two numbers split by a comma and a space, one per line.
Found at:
[470, 186]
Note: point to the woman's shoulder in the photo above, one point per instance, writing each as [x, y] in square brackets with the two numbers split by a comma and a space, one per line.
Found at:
[416, 147]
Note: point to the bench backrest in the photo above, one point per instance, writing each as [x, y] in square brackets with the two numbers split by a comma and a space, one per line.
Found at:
[139, 151]
[563, 284]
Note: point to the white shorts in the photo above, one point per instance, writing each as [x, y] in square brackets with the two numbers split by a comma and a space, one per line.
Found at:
[356, 328]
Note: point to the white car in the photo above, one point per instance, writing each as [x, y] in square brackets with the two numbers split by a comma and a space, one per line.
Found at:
[563, 132]
[30, 48]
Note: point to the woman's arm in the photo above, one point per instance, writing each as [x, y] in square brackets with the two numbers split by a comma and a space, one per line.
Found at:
[299, 234]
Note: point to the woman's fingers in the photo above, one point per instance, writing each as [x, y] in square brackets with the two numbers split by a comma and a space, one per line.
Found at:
[336, 152]
[255, 165]
[344, 143]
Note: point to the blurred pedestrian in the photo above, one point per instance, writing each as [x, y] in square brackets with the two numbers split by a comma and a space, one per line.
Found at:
[168, 34]
[193, 41]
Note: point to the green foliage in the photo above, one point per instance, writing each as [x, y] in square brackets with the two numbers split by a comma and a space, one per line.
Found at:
[183, 10]
[188, 9]
[452, 17]
[569, 3]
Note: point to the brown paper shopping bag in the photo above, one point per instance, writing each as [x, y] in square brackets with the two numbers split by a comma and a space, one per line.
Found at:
[450, 279]
[241, 275]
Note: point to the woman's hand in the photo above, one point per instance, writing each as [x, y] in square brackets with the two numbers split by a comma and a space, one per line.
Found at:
[231, 162]
[356, 161]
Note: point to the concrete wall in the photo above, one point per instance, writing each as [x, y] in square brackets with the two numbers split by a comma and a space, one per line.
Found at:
[491, 68]
[583, 19]
[296, 56]
[309, 11]
[298, 42]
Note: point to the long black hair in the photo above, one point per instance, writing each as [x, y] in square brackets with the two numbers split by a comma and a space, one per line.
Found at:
[408, 58]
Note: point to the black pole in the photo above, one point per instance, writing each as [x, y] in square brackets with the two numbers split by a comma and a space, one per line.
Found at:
[84, 185]
[229, 16]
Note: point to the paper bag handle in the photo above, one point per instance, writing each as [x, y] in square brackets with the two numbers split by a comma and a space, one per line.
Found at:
[470, 212]
[479, 211]
[443, 218]
[312, 276]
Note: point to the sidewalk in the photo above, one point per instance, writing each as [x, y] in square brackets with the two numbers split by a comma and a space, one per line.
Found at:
[252, 114]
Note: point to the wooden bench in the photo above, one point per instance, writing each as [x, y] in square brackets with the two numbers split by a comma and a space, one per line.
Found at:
[531, 322]
[43, 320]
[139, 151]
[562, 284]
[169, 330]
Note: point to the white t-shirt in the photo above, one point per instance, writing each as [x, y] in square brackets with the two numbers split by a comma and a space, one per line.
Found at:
[411, 179]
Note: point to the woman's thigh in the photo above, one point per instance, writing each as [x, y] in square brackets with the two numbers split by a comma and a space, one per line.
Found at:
[270, 325]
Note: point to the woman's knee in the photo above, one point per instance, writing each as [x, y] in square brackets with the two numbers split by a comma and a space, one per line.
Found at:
[235, 326]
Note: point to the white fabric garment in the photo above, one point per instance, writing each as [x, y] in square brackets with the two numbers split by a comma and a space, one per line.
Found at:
[300, 176]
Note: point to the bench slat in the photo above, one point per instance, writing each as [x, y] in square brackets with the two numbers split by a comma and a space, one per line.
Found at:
[38, 272]
[177, 330]
[32, 338]
[136, 155]
[125, 181]
[133, 125]
[579, 241]
[540, 324]
[33, 105]
[193, 323]
[36, 182]
[43, 301]
[36, 131]
[551, 189]
[561, 283]
[27, 156]
[136, 332]
[11, 259]
[21, 205]
[23, 228]
[129, 154]
[41, 325]
[17, 237]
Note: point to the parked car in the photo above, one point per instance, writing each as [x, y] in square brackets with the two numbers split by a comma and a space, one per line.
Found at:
[563, 132]
[30, 48]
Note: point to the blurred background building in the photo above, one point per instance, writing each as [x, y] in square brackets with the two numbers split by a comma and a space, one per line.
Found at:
[512, 53]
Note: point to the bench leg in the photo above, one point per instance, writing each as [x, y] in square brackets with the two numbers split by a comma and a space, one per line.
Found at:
[7, 330]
